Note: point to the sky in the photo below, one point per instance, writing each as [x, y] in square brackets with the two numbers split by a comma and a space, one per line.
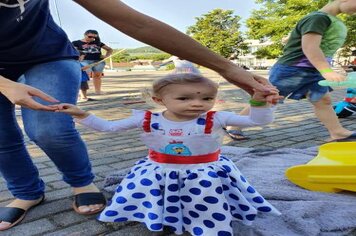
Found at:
[180, 14]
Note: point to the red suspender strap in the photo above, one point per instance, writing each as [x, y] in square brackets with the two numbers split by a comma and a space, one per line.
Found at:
[348, 99]
[172, 159]
[209, 122]
[147, 122]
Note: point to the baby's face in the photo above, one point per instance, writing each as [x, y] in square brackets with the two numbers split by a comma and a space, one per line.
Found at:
[188, 101]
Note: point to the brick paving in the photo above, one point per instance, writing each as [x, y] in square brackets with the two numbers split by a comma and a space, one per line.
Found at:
[295, 127]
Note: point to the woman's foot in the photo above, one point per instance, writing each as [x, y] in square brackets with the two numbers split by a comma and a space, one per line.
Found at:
[87, 209]
[22, 204]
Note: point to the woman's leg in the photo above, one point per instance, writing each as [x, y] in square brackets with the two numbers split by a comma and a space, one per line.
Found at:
[55, 133]
[15, 163]
[97, 75]
[97, 82]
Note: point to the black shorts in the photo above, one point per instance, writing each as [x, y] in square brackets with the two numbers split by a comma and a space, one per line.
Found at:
[84, 85]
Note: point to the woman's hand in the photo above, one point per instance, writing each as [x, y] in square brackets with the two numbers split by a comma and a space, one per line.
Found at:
[72, 110]
[22, 95]
[272, 97]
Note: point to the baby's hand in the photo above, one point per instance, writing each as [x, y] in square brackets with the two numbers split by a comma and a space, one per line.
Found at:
[271, 97]
[72, 110]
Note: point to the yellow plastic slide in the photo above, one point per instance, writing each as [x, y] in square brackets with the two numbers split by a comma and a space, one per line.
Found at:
[332, 170]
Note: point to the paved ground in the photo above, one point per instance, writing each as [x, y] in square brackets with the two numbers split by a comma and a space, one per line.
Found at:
[295, 126]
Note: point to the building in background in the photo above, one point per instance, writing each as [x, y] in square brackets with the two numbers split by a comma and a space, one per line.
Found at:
[249, 60]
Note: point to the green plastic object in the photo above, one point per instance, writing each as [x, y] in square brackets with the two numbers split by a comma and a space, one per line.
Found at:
[349, 82]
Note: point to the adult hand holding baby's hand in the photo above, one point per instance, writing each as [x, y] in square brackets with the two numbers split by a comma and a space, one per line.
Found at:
[271, 97]
[72, 110]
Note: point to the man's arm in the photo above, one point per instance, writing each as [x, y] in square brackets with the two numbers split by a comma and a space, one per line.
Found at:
[160, 35]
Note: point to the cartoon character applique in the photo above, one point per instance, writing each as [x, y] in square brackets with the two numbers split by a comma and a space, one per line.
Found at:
[176, 132]
[177, 148]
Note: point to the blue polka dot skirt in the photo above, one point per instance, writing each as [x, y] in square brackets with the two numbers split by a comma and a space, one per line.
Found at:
[202, 200]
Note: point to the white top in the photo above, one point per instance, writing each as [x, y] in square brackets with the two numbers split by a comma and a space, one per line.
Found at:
[257, 117]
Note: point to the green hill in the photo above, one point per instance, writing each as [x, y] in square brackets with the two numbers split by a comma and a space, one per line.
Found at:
[143, 50]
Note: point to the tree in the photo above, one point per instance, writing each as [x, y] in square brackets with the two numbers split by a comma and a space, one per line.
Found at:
[350, 42]
[276, 18]
[219, 31]
[121, 57]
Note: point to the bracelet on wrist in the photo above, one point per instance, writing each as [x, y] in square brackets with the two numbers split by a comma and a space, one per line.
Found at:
[256, 103]
[327, 70]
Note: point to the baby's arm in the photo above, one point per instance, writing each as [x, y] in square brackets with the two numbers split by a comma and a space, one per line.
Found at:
[97, 123]
[257, 117]
[103, 125]
[261, 112]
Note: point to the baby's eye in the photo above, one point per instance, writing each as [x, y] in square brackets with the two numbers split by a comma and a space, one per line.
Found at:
[182, 98]
[208, 98]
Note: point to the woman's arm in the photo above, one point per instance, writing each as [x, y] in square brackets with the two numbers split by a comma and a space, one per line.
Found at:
[108, 50]
[166, 38]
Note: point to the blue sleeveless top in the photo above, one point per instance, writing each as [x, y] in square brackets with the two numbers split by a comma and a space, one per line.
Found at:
[30, 36]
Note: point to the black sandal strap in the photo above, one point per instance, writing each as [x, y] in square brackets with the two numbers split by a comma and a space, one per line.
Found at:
[85, 199]
[11, 214]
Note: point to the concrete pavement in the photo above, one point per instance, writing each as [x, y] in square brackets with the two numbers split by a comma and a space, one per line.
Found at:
[295, 127]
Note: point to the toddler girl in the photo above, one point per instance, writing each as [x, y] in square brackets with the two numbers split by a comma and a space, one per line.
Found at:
[184, 182]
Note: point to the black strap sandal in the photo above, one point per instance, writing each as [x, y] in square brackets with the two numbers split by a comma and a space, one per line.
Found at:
[237, 135]
[14, 215]
[85, 199]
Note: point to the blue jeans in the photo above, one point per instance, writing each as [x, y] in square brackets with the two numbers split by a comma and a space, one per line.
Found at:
[54, 133]
[298, 82]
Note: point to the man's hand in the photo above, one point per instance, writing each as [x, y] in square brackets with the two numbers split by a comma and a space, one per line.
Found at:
[22, 95]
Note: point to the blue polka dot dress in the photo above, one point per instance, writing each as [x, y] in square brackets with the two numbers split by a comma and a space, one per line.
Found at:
[202, 199]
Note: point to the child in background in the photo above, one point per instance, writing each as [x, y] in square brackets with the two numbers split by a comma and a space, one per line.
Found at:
[84, 85]
[306, 60]
[184, 182]
[181, 65]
